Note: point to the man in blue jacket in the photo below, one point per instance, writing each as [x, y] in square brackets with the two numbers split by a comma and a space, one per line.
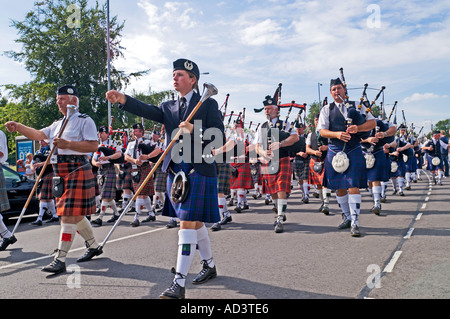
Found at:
[201, 203]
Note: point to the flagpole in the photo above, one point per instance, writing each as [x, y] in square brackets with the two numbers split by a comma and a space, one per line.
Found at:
[109, 63]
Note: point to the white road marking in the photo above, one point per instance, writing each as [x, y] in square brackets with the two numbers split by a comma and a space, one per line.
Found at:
[389, 267]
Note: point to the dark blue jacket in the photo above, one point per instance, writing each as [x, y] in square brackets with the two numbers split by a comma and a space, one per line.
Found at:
[168, 114]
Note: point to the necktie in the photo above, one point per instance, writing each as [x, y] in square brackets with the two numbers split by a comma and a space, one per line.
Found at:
[182, 106]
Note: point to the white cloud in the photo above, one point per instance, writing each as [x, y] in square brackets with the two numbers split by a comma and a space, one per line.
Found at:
[417, 97]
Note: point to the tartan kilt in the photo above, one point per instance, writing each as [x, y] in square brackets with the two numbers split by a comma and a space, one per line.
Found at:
[280, 182]
[313, 177]
[432, 167]
[301, 173]
[126, 182]
[44, 190]
[379, 172]
[108, 189]
[400, 171]
[223, 178]
[78, 198]
[244, 179]
[149, 188]
[4, 202]
[160, 178]
[201, 204]
[255, 168]
[411, 165]
[354, 176]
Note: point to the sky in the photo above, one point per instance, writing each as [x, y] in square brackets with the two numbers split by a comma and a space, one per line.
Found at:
[248, 47]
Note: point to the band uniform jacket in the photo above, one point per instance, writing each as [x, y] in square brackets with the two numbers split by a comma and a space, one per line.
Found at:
[169, 114]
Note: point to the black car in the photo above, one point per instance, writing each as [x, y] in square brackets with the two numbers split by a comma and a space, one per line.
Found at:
[19, 188]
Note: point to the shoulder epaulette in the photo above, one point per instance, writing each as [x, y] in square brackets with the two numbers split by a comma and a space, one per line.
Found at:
[84, 116]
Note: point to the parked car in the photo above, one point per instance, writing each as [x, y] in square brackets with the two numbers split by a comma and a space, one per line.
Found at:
[19, 188]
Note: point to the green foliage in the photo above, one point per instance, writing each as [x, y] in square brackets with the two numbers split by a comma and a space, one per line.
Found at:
[64, 42]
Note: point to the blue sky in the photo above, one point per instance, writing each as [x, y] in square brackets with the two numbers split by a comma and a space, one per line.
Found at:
[250, 46]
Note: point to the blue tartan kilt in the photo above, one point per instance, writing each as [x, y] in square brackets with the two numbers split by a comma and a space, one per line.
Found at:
[201, 203]
[354, 176]
[379, 171]
[401, 169]
[419, 161]
[432, 167]
[411, 164]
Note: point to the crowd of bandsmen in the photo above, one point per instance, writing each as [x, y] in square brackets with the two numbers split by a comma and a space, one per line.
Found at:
[391, 153]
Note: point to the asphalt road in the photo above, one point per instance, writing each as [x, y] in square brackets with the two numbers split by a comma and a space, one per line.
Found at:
[402, 254]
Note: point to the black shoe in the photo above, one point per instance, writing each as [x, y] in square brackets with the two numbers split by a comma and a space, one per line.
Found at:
[89, 254]
[150, 218]
[135, 223]
[355, 231]
[96, 222]
[205, 274]
[37, 223]
[113, 219]
[52, 220]
[401, 194]
[175, 291]
[383, 199]
[245, 207]
[278, 227]
[345, 224]
[172, 224]
[238, 209]
[55, 267]
[226, 220]
[325, 210]
[376, 210]
[216, 227]
[305, 200]
[316, 195]
[7, 241]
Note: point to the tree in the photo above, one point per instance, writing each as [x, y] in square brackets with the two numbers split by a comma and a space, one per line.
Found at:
[64, 42]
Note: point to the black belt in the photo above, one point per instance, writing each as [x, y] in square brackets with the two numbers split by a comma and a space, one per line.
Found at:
[72, 159]
[107, 165]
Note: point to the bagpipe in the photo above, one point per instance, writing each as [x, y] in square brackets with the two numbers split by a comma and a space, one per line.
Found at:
[282, 132]
[41, 158]
[109, 151]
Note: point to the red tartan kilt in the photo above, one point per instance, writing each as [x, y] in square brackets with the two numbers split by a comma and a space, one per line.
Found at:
[44, 191]
[149, 188]
[313, 177]
[244, 179]
[79, 189]
[280, 182]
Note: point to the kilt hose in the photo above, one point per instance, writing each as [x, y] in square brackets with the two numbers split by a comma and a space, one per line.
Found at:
[244, 179]
[78, 198]
[149, 188]
[379, 172]
[124, 181]
[354, 176]
[4, 202]
[160, 180]
[108, 177]
[44, 189]
[279, 182]
[201, 204]
[313, 177]
[223, 178]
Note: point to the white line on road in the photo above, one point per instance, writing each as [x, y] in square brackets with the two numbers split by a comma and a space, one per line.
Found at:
[389, 267]
[424, 206]
[409, 233]
[78, 249]
[419, 216]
